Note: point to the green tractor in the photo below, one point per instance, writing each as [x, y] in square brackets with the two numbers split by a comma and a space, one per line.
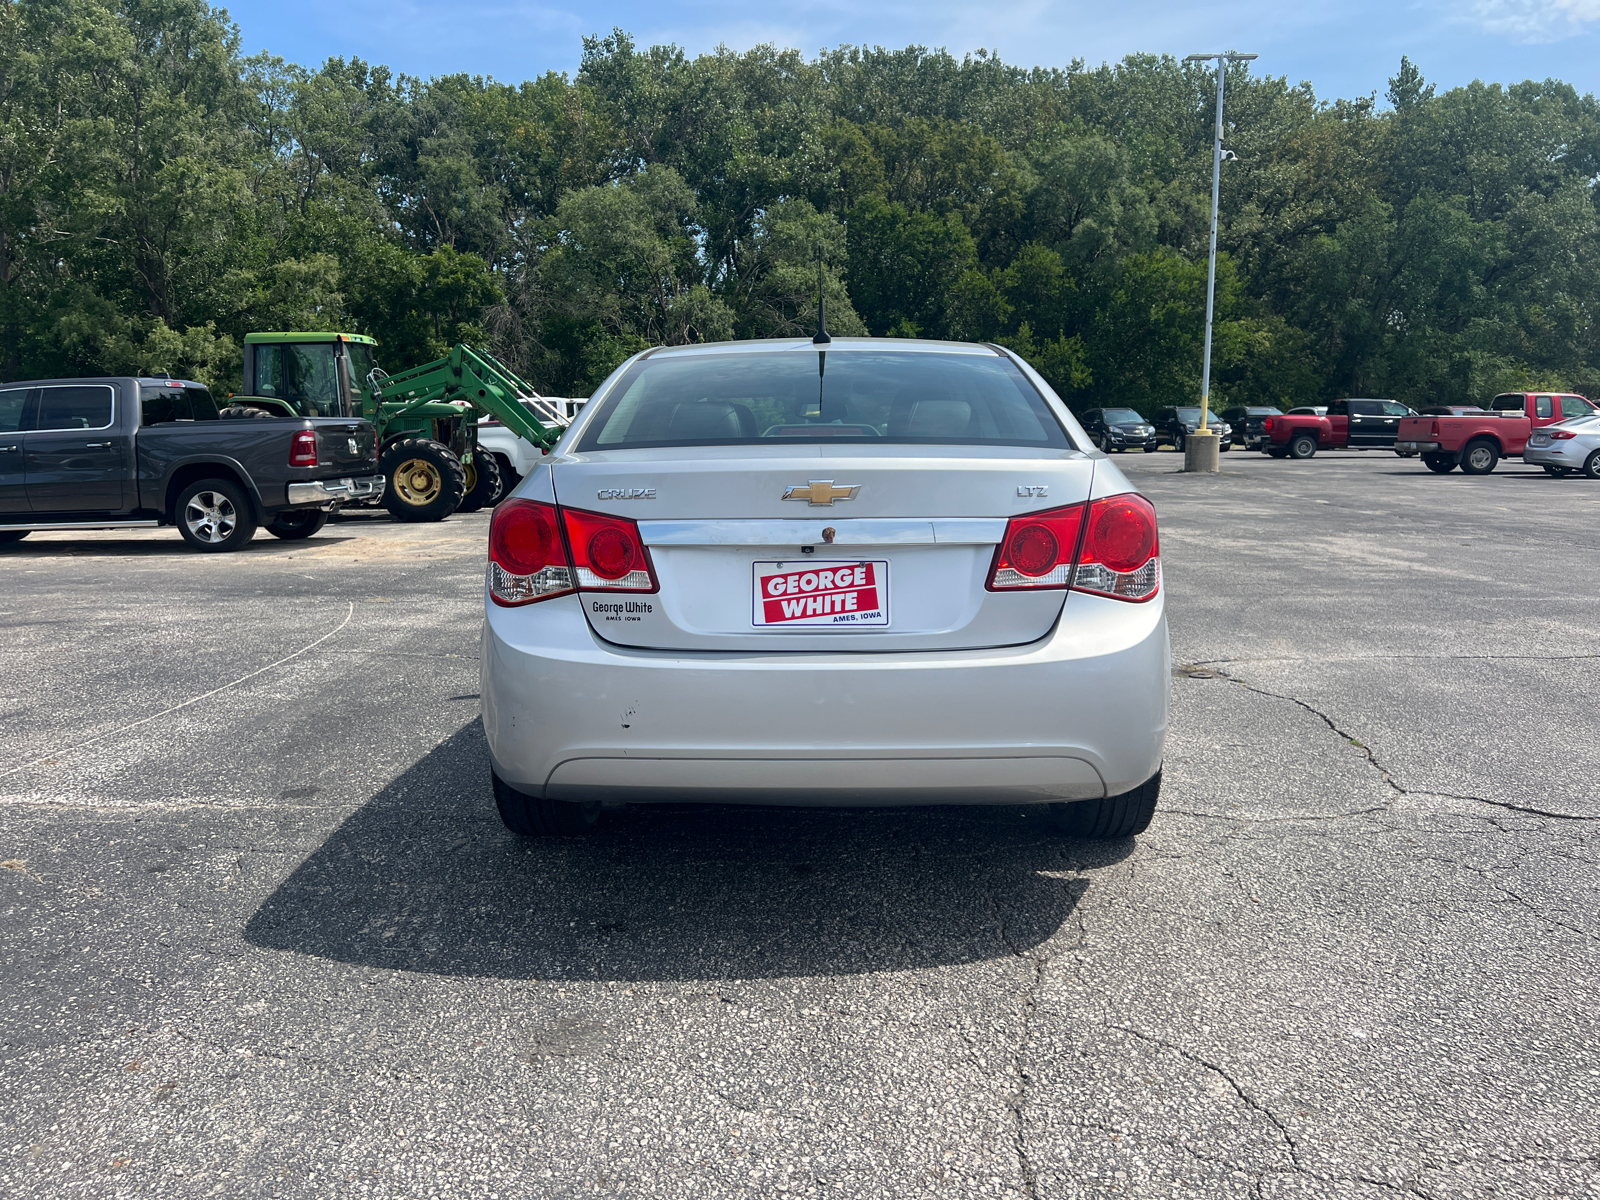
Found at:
[427, 417]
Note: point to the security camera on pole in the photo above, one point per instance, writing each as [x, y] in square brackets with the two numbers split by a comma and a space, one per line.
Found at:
[1200, 448]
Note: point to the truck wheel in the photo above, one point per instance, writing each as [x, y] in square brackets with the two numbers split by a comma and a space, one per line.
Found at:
[483, 482]
[301, 523]
[423, 481]
[1591, 465]
[1303, 446]
[1479, 458]
[1439, 464]
[214, 515]
[8, 536]
[1114, 817]
[523, 814]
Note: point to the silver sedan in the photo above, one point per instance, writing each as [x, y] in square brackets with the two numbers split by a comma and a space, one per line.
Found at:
[866, 572]
[1567, 446]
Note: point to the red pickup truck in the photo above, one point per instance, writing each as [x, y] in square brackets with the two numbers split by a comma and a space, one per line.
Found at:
[1349, 425]
[1476, 442]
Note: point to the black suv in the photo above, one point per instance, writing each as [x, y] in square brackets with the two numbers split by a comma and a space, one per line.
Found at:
[1119, 429]
[1247, 421]
[1174, 424]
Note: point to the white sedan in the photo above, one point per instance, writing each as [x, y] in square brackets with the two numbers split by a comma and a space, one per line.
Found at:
[1567, 446]
[868, 572]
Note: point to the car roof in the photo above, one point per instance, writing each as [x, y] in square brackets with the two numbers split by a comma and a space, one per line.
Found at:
[782, 345]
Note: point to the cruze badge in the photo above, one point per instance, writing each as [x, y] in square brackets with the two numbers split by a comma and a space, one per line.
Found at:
[821, 492]
[627, 493]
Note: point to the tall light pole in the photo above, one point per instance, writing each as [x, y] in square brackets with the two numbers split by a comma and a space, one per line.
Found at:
[1222, 61]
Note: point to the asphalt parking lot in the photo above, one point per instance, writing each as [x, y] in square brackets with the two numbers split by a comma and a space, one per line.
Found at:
[265, 936]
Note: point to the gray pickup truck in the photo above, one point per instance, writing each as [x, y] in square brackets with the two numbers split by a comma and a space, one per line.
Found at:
[131, 453]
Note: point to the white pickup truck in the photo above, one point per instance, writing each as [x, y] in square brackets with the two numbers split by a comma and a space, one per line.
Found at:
[515, 455]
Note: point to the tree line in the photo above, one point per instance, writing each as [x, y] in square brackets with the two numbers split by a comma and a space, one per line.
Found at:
[162, 194]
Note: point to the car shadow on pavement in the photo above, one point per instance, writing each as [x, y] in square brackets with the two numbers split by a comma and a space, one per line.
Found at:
[424, 878]
[173, 546]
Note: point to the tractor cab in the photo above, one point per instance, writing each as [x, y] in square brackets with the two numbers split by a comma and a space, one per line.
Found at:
[307, 374]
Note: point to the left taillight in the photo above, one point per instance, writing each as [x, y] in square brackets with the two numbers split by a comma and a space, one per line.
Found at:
[303, 449]
[608, 554]
[1108, 548]
[527, 555]
[1562, 435]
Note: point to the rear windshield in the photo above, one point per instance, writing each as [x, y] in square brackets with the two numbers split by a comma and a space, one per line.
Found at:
[872, 397]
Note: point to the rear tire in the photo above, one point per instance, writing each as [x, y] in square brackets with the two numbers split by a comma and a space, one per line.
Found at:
[1275, 451]
[214, 515]
[301, 523]
[1479, 458]
[508, 477]
[482, 482]
[8, 536]
[423, 480]
[1303, 446]
[1439, 464]
[1121, 816]
[1591, 465]
[522, 814]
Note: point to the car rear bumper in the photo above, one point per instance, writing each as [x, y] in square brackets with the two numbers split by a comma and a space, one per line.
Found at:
[1416, 447]
[336, 491]
[1079, 714]
[1555, 456]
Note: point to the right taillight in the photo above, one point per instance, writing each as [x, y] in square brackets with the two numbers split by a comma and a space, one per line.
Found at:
[1108, 547]
[1434, 431]
[1121, 554]
[527, 556]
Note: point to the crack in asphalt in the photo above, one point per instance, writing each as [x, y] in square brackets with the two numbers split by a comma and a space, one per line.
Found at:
[1372, 759]
[1290, 1144]
[1018, 1100]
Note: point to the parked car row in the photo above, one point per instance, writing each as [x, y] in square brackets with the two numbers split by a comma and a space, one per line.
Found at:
[1445, 436]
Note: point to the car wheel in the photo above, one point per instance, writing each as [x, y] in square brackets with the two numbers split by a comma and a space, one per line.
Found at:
[1303, 446]
[1225, 447]
[523, 814]
[302, 523]
[1149, 448]
[482, 481]
[1177, 443]
[1439, 464]
[214, 515]
[1479, 458]
[1557, 472]
[1114, 817]
[1591, 465]
[423, 480]
[8, 536]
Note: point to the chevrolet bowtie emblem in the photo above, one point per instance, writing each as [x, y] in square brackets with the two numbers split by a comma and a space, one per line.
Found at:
[821, 492]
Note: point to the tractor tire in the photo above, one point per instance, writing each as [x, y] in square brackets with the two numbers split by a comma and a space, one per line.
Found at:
[483, 483]
[297, 524]
[1479, 457]
[1439, 464]
[1114, 817]
[235, 412]
[508, 477]
[423, 481]
[1302, 445]
[215, 515]
[529, 817]
[11, 536]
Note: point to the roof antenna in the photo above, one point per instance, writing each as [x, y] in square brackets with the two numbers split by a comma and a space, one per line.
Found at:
[822, 338]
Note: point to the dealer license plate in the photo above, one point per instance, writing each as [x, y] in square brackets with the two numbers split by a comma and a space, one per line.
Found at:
[848, 594]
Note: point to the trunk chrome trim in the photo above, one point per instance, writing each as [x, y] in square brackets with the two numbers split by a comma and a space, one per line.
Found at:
[858, 531]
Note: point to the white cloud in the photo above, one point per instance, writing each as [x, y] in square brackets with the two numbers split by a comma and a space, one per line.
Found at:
[1535, 20]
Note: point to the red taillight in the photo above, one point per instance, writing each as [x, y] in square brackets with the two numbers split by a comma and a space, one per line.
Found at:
[607, 553]
[1120, 555]
[303, 449]
[1037, 550]
[1267, 424]
[1434, 432]
[1561, 435]
[527, 556]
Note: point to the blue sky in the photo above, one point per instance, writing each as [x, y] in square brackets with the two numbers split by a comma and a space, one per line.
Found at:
[1345, 49]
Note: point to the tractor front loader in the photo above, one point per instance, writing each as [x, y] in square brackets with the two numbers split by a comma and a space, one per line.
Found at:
[426, 418]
